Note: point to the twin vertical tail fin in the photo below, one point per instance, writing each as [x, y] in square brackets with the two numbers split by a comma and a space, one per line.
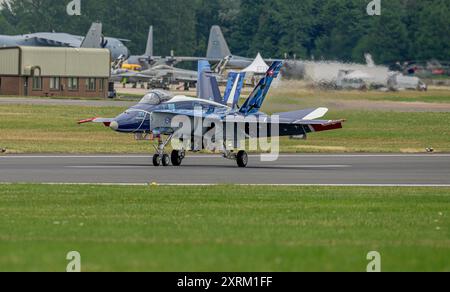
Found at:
[217, 45]
[234, 88]
[256, 99]
[207, 86]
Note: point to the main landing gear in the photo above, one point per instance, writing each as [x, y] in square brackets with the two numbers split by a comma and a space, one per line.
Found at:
[241, 157]
[177, 157]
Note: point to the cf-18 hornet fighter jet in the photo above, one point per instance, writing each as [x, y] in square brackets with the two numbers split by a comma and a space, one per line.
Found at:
[214, 122]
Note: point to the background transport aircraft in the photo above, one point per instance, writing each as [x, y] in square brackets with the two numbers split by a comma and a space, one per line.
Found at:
[158, 110]
[94, 39]
[218, 50]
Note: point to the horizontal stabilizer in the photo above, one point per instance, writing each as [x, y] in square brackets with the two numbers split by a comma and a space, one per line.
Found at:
[320, 126]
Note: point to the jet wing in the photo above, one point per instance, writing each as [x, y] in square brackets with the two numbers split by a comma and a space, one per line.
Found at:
[56, 41]
[289, 124]
[134, 77]
[181, 78]
[132, 74]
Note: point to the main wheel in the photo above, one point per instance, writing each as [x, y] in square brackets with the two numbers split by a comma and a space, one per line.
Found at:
[165, 160]
[242, 159]
[176, 158]
[157, 160]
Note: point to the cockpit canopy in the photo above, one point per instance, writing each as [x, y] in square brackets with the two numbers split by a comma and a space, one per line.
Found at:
[156, 97]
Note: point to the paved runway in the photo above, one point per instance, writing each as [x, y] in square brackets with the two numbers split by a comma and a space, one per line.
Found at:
[401, 170]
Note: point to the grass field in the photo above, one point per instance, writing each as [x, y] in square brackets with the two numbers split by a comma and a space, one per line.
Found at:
[223, 228]
[53, 129]
[293, 91]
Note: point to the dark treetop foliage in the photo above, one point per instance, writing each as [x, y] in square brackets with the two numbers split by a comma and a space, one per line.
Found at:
[323, 29]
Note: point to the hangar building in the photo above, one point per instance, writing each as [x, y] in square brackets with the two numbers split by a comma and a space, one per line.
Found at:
[47, 71]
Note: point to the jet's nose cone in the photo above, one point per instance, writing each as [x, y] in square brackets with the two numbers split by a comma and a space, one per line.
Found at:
[114, 125]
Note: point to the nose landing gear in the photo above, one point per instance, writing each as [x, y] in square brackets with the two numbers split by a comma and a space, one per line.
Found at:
[163, 159]
[159, 160]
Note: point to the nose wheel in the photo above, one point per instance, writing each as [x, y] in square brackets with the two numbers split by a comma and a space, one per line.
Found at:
[157, 161]
[164, 160]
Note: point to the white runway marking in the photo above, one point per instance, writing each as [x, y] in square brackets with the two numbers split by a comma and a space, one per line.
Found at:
[106, 167]
[310, 166]
[218, 156]
[145, 166]
[261, 185]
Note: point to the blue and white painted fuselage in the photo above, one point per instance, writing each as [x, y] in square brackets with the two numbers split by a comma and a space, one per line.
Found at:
[137, 119]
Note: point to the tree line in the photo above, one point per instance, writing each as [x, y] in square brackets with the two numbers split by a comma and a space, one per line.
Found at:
[308, 29]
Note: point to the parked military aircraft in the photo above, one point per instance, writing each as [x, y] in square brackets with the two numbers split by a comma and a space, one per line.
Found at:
[160, 76]
[218, 53]
[54, 39]
[148, 60]
[193, 122]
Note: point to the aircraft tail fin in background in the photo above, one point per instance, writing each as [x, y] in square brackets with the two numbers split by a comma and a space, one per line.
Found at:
[207, 86]
[217, 45]
[256, 99]
[149, 47]
[94, 38]
[369, 60]
[234, 88]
